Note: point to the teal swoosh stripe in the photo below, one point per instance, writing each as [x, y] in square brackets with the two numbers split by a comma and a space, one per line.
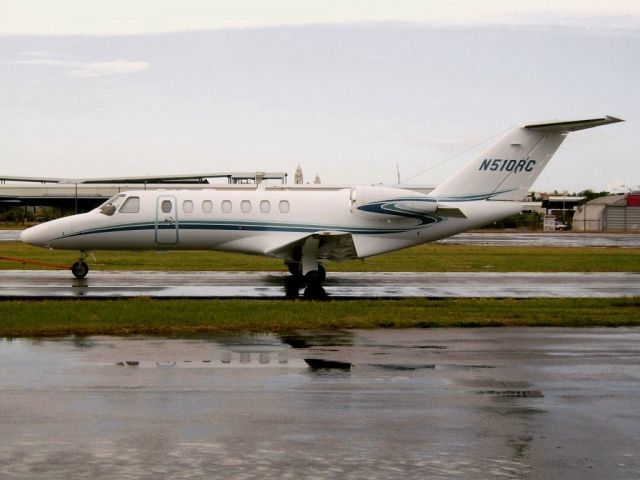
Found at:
[248, 226]
[472, 197]
[264, 227]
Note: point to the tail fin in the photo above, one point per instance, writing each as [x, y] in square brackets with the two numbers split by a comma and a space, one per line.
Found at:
[507, 169]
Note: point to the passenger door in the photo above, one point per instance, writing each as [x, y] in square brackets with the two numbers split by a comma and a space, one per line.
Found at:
[166, 220]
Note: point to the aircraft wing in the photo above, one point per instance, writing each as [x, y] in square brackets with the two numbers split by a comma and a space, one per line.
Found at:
[332, 245]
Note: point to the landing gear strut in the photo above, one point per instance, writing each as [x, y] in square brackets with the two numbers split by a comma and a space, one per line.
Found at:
[80, 267]
[307, 272]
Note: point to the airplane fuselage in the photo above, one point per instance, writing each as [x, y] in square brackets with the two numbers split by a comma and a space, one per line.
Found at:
[260, 221]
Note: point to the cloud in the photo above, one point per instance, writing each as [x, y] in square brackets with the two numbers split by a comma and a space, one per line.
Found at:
[103, 69]
[76, 69]
[123, 17]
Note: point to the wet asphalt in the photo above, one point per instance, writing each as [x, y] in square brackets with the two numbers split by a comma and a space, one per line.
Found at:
[544, 239]
[457, 403]
[339, 285]
[61, 284]
[489, 403]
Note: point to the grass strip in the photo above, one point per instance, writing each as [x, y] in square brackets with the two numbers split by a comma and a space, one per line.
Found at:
[20, 318]
[423, 258]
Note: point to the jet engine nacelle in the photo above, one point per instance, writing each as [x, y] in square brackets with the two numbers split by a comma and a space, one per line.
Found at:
[382, 200]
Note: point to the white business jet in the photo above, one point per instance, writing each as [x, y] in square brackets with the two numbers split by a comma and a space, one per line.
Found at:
[307, 226]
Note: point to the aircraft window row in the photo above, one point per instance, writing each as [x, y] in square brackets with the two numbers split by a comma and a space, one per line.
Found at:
[132, 205]
[226, 206]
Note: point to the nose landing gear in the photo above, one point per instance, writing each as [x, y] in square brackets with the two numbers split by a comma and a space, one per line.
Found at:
[80, 267]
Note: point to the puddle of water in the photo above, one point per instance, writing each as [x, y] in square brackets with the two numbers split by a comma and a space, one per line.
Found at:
[497, 405]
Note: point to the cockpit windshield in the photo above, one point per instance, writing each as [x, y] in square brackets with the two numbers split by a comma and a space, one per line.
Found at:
[110, 206]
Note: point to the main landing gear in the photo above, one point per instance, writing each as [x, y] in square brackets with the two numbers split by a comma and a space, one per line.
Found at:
[80, 267]
[312, 281]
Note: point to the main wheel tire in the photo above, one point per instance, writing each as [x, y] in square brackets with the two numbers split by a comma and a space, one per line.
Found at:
[312, 278]
[292, 286]
[80, 269]
[316, 277]
[294, 269]
[315, 292]
[322, 274]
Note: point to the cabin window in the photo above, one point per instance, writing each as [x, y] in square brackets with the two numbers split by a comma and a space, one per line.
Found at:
[226, 206]
[131, 205]
[245, 206]
[207, 206]
[187, 206]
[284, 206]
[166, 206]
[265, 206]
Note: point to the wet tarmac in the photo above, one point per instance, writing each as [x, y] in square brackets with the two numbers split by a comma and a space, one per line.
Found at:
[543, 239]
[9, 235]
[546, 239]
[391, 404]
[339, 285]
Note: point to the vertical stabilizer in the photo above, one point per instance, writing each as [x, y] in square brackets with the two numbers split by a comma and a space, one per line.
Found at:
[507, 169]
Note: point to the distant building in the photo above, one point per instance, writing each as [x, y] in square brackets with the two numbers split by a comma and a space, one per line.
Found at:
[562, 206]
[81, 195]
[613, 213]
[298, 179]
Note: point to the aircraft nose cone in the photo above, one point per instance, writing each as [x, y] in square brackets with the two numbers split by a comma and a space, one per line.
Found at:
[34, 236]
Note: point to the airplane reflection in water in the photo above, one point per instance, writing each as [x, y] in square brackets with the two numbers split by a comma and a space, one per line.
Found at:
[307, 226]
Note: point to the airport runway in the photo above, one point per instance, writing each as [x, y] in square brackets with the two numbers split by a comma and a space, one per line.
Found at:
[339, 285]
[9, 235]
[60, 284]
[542, 239]
[546, 239]
[391, 404]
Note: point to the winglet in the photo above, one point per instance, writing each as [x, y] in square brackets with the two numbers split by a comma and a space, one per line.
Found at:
[573, 125]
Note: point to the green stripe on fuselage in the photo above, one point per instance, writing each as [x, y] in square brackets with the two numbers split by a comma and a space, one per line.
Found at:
[235, 226]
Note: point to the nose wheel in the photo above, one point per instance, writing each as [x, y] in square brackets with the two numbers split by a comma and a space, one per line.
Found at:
[80, 267]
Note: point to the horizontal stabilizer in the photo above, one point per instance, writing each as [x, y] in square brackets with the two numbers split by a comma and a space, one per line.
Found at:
[574, 125]
[508, 168]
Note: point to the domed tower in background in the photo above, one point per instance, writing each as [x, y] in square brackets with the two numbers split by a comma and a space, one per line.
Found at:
[298, 179]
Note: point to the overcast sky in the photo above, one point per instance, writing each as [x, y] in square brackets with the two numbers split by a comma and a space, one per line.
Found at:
[348, 89]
